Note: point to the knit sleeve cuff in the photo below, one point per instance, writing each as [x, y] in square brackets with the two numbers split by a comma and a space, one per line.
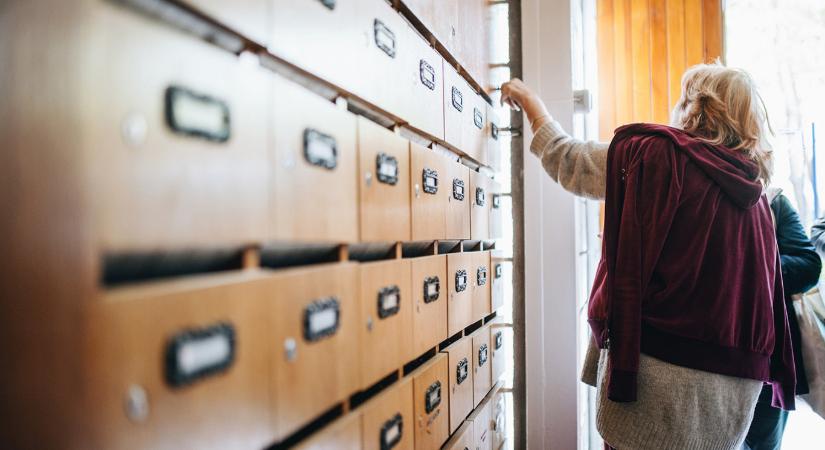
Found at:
[622, 386]
[544, 135]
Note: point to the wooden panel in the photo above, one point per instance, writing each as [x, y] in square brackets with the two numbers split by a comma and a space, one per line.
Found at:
[428, 208]
[607, 76]
[712, 30]
[460, 359]
[482, 429]
[497, 288]
[460, 271]
[153, 187]
[248, 17]
[429, 316]
[658, 62]
[479, 206]
[420, 86]
[473, 39]
[640, 57]
[383, 410]
[694, 33]
[312, 372]
[644, 48]
[462, 439]
[386, 335]
[384, 197]
[431, 428]
[343, 434]
[313, 201]
[481, 364]
[499, 343]
[481, 283]
[320, 40]
[458, 201]
[382, 63]
[676, 49]
[49, 274]
[138, 328]
[498, 419]
[440, 17]
[496, 220]
[494, 158]
[464, 116]
[623, 63]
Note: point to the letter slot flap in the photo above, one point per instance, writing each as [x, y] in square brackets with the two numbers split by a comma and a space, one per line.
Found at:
[389, 301]
[391, 432]
[432, 398]
[321, 319]
[320, 149]
[198, 115]
[460, 280]
[386, 166]
[431, 289]
[462, 370]
[197, 353]
[384, 38]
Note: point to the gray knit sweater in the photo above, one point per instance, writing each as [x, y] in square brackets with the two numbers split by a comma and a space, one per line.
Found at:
[677, 407]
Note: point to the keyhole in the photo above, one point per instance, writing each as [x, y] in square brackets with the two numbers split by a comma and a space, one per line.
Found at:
[290, 349]
[136, 404]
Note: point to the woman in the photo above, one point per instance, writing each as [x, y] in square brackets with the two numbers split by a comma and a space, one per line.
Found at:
[800, 272]
[687, 305]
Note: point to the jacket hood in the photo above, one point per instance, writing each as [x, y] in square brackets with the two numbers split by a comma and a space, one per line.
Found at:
[735, 175]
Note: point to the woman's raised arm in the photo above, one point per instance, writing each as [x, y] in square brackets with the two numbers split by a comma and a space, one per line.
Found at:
[578, 166]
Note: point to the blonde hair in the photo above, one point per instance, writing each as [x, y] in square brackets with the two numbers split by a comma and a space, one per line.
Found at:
[721, 106]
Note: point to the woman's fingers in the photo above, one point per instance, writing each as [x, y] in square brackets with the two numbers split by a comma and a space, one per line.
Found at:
[509, 96]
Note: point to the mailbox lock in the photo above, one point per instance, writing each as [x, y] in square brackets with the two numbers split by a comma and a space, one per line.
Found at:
[290, 349]
[137, 404]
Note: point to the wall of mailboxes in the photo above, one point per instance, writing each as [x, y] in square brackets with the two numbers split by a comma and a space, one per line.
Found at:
[206, 151]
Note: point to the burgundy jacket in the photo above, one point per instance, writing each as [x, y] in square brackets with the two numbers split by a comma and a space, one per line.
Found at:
[690, 272]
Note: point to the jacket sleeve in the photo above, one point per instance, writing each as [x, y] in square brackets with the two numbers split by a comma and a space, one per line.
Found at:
[650, 200]
[579, 166]
[801, 265]
[818, 236]
[783, 371]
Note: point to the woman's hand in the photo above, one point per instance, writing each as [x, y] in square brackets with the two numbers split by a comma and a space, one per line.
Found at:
[517, 95]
